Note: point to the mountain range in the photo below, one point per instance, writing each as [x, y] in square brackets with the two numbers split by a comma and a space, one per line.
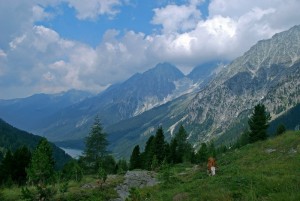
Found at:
[213, 102]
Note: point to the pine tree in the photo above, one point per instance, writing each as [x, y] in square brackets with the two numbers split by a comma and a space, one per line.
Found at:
[258, 123]
[147, 155]
[135, 158]
[6, 167]
[159, 145]
[95, 146]
[21, 161]
[202, 153]
[173, 152]
[184, 148]
[280, 129]
[41, 168]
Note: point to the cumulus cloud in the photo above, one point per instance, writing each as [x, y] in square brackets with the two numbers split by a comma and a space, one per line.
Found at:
[174, 18]
[93, 8]
[37, 59]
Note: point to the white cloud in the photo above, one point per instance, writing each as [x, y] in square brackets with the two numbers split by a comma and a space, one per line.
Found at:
[174, 18]
[37, 59]
[91, 9]
[2, 53]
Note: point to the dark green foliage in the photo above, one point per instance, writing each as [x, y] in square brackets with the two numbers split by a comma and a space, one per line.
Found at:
[102, 175]
[41, 168]
[280, 129]
[202, 154]
[95, 146]
[158, 151]
[41, 192]
[166, 175]
[134, 195]
[242, 140]
[109, 164]
[159, 145]
[6, 167]
[184, 149]
[12, 138]
[147, 155]
[212, 150]
[72, 171]
[21, 160]
[122, 166]
[135, 158]
[173, 156]
[258, 123]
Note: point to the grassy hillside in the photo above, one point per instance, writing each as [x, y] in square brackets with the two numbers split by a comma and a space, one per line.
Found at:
[267, 170]
[262, 171]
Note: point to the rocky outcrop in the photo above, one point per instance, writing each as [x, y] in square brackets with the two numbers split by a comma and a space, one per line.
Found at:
[135, 179]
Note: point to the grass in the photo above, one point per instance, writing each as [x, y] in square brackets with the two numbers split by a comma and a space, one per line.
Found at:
[266, 170]
[263, 171]
[74, 192]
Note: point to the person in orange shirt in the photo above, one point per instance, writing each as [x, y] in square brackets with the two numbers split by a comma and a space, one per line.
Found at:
[211, 166]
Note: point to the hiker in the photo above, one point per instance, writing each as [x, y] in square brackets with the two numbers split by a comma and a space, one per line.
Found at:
[211, 166]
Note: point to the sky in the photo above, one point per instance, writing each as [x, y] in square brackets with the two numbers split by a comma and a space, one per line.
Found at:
[49, 46]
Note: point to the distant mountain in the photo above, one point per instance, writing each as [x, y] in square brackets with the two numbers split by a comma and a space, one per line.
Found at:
[26, 113]
[136, 95]
[12, 138]
[206, 71]
[268, 73]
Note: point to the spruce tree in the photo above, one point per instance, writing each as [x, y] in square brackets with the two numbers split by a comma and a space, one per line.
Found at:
[41, 168]
[258, 123]
[184, 148]
[95, 146]
[21, 161]
[172, 158]
[135, 158]
[202, 154]
[159, 145]
[6, 167]
[147, 155]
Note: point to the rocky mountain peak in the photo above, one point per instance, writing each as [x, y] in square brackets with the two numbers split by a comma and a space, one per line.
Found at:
[282, 49]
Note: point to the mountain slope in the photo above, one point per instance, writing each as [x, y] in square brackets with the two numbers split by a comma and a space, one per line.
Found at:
[13, 138]
[269, 73]
[119, 102]
[262, 74]
[25, 113]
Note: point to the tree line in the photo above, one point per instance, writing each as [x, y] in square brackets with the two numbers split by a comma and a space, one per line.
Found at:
[158, 151]
[37, 168]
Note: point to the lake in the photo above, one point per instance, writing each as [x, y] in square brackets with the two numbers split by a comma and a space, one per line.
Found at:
[74, 153]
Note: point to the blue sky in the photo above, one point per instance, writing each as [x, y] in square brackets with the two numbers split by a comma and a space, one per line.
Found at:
[49, 46]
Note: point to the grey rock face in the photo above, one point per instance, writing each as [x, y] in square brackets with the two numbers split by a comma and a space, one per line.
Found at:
[137, 179]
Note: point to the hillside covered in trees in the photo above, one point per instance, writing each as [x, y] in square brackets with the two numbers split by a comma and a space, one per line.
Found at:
[12, 138]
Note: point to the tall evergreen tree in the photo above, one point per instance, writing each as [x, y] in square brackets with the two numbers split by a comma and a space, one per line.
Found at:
[173, 155]
[41, 168]
[135, 158]
[184, 148]
[202, 153]
[21, 161]
[147, 155]
[258, 123]
[159, 145]
[6, 167]
[95, 146]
